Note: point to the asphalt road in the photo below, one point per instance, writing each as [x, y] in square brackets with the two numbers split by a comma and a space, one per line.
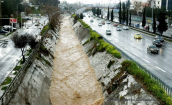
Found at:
[158, 64]
[9, 56]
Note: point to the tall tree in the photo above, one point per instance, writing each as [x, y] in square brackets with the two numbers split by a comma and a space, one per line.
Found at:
[123, 12]
[154, 23]
[108, 14]
[112, 15]
[128, 4]
[120, 12]
[162, 23]
[130, 19]
[98, 12]
[144, 18]
[127, 18]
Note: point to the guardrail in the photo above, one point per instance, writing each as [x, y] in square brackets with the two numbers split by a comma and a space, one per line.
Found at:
[161, 83]
[11, 89]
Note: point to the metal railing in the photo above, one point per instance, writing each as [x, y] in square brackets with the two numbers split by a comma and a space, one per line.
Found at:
[11, 89]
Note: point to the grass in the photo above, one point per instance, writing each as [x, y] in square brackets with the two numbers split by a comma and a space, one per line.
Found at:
[152, 86]
[6, 81]
[17, 68]
[4, 88]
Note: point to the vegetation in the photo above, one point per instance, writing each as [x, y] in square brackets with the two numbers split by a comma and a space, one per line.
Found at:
[6, 81]
[15, 73]
[144, 18]
[108, 14]
[152, 85]
[44, 29]
[17, 68]
[127, 18]
[120, 12]
[4, 88]
[123, 12]
[154, 23]
[112, 15]
[110, 63]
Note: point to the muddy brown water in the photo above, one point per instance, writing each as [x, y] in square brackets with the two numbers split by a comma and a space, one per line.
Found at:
[73, 79]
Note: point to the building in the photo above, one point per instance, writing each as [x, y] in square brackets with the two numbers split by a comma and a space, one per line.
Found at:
[166, 4]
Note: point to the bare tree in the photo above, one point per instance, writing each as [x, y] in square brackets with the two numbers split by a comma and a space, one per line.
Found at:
[21, 41]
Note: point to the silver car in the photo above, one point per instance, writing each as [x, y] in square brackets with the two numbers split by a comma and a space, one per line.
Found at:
[118, 28]
[100, 24]
[152, 49]
[108, 22]
[108, 32]
[126, 28]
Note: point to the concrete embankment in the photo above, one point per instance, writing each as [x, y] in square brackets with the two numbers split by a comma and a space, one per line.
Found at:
[73, 80]
[119, 88]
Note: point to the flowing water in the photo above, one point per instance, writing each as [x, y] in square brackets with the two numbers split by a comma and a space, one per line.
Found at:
[73, 80]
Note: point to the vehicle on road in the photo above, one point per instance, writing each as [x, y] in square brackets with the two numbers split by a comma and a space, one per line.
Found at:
[152, 49]
[108, 32]
[132, 24]
[137, 25]
[9, 28]
[3, 31]
[157, 43]
[118, 28]
[91, 20]
[103, 22]
[115, 24]
[125, 28]
[160, 38]
[138, 36]
[146, 27]
[100, 24]
[108, 22]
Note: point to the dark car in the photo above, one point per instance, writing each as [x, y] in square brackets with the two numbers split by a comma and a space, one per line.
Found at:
[152, 49]
[3, 31]
[160, 38]
[157, 43]
[137, 25]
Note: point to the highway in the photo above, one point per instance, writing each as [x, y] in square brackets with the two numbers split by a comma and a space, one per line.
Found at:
[159, 64]
[9, 56]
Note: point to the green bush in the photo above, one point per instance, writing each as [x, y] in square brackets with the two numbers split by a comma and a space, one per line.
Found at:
[44, 29]
[151, 85]
[15, 73]
[6, 81]
[110, 48]
[17, 68]
[116, 54]
[4, 88]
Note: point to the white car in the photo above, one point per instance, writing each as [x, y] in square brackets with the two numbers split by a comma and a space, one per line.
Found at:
[118, 28]
[108, 22]
[100, 24]
[126, 28]
[8, 27]
[108, 32]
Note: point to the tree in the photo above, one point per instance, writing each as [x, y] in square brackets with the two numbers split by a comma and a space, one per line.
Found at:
[127, 18]
[108, 14]
[128, 4]
[120, 12]
[130, 19]
[162, 23]
[112, 15]
[154, 23]
[144, 18]
[98, 12]
[81, 16]
[20, 41]
[123, 12]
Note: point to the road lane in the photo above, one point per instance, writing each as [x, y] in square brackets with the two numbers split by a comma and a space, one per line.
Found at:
[159, 64]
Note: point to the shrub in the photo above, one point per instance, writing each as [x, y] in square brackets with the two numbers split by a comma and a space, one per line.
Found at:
[17, 68]
[110, 48]
[6, 81]
[4, 88]
[44, 29]
[116, 54]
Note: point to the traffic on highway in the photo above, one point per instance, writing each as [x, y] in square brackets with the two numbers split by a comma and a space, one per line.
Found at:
[151, 52]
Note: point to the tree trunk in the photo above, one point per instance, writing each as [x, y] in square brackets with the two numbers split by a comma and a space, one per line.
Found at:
[22, 49]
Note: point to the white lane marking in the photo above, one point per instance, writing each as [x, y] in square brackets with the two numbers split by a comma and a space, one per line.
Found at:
[135, 54]
[160, 69]
[146, 60]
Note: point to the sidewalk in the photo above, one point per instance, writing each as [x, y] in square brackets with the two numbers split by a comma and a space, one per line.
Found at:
[73, 79]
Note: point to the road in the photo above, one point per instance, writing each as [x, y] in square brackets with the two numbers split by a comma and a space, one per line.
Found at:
[10, 55]
[159, 64]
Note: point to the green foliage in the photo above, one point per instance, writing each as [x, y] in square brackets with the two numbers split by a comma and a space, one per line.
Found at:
[110, 63]
[151, 85]
[116, 53]
[17, 67]
[84, 24]
[15, 73]
[81, 16]
[6, 81]
[110, 48]
[123, 12]
[112, 15]
[44, 50]
[4, 88]
[108, 14]
[144, 18]
[120, 12]
[44, 29]
[29, 51]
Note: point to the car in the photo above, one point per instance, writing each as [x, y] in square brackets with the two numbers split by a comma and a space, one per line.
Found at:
[157, 43]
[8, 28]
[3, 31]
[91, 20]
[138, 36]
[118, 28]
[160, 38]
[125, 27]
[108, 32]
[152, 49]
[137, 25]
[115, 24]
[108, 22]
[103, 22]
[100, 24]
[146, 27]
[37, 24]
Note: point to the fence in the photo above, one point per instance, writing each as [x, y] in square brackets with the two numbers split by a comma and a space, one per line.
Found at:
[11, 89]
[161, 83]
